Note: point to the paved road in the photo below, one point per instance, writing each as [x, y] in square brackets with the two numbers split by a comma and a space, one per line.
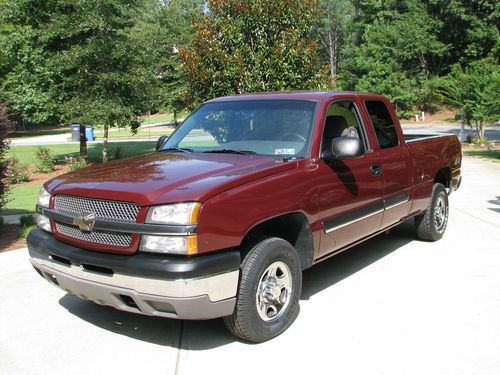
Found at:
[390, 306]
[492, 132]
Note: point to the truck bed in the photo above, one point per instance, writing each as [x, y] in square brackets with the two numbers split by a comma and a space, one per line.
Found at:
[420, 137]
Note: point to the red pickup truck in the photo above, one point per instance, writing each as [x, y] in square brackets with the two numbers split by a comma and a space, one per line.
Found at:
[248, 192]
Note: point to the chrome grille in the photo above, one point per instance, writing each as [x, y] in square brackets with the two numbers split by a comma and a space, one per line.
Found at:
[97, 236]
[103, 209]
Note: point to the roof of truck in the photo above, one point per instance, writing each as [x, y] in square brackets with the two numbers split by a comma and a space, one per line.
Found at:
[302, 95]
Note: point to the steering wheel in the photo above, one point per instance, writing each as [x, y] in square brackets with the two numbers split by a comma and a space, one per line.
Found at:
[290, 136]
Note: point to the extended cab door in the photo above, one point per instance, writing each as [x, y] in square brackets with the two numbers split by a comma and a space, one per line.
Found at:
[393, 159]
[350, 191]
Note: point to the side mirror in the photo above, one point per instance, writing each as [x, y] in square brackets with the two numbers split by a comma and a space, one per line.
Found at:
[347, 148]
[160, 142]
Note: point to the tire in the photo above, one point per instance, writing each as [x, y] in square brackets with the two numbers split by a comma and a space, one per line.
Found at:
[431, 225]
[269, 291]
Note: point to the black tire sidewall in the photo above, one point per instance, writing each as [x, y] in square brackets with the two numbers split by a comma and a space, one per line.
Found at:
[439, 190]
[256, 262]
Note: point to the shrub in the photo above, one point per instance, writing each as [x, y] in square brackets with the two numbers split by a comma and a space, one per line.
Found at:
[5, 126]
[27, 231]
[117, 153]
[27, 224]
[27, 221]
[45, 160]
[16, 172]
[75, 162]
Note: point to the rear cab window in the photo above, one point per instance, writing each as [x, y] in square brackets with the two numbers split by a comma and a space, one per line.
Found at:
[383, 125]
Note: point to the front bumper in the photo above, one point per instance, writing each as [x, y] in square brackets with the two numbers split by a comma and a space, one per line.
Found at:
[202, 287]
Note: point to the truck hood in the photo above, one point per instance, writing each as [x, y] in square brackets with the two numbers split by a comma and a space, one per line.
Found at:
[167, 177]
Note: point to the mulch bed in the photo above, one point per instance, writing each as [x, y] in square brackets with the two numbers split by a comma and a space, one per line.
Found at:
[9, 238]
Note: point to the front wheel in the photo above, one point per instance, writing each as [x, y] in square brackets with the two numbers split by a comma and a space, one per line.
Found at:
[430, 225]
[269, 291]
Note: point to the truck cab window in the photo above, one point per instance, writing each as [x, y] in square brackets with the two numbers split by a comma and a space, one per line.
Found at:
[382, 124]
[342, 120]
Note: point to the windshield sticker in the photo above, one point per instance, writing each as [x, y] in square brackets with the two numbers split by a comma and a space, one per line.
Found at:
[284, 151]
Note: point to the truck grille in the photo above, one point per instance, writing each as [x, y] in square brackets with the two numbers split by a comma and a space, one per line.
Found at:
[103, 209]
[103, 237]
[108, 210]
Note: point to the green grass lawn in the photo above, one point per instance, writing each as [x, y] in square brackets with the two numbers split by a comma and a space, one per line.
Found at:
[161, 117]
[27, 154]
[22, 200]
[493, 155]
[127, 133]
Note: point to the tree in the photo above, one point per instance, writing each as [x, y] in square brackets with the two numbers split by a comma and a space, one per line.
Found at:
[469, 27]
[166, 27]
[474, 92]
[399, 56]
[5, 126]
[78, 61]
[256, 45]
[333, 32]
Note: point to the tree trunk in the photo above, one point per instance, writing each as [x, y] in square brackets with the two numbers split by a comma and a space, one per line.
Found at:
[105, 144]
[482, 129]
[175, 118]
[83, 143]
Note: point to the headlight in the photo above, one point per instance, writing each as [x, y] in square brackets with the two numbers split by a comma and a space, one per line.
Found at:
[174, 214]
[43, 223]
[44, 198]
[182, 245]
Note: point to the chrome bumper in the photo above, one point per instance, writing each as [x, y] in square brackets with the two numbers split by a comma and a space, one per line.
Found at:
[201, 298]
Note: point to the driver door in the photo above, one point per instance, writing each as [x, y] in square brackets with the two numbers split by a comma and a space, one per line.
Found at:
[350, 191]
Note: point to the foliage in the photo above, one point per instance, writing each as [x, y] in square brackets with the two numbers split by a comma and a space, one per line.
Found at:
[16, 172]
[26, 231]
[167, 28]
[396, 58]
[332, 28]
[474, 91]
[75, 162]
[5, 126]
[27, 221]
[28, 224]
[257, 45]
[45, 160]
[117, 153]
[76, 60]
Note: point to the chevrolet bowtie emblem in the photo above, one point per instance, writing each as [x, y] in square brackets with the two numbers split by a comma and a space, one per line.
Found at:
[85, 222]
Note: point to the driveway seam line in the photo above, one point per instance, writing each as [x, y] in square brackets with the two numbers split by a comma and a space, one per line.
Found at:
[179, 348]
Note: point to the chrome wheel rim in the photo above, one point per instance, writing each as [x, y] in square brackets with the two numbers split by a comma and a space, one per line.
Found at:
[440, 214]
[274, 291]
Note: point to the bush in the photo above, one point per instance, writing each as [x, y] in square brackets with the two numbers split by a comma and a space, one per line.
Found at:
[117, 153]
[27, 224]
[16, 172]
[5, 126]
[75, 163]
[27, 221]
[45, 160]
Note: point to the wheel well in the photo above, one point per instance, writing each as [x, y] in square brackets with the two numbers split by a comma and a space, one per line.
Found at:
[292, 227]
[443, 177]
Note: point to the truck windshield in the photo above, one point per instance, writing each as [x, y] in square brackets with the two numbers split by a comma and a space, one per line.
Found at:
[262, 127]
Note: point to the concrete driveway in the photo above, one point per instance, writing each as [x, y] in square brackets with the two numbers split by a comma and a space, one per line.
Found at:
[393, 305]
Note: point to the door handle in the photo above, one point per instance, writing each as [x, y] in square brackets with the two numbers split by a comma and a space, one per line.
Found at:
[376, 170]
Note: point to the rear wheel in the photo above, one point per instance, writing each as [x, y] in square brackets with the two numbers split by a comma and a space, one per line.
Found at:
[269, 291]
[431, 225]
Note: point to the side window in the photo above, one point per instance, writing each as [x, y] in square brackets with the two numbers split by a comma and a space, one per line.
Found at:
[342, 120]
[382, 124]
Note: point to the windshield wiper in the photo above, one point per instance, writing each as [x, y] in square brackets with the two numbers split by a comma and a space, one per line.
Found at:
[177, 149]
[231, 151]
